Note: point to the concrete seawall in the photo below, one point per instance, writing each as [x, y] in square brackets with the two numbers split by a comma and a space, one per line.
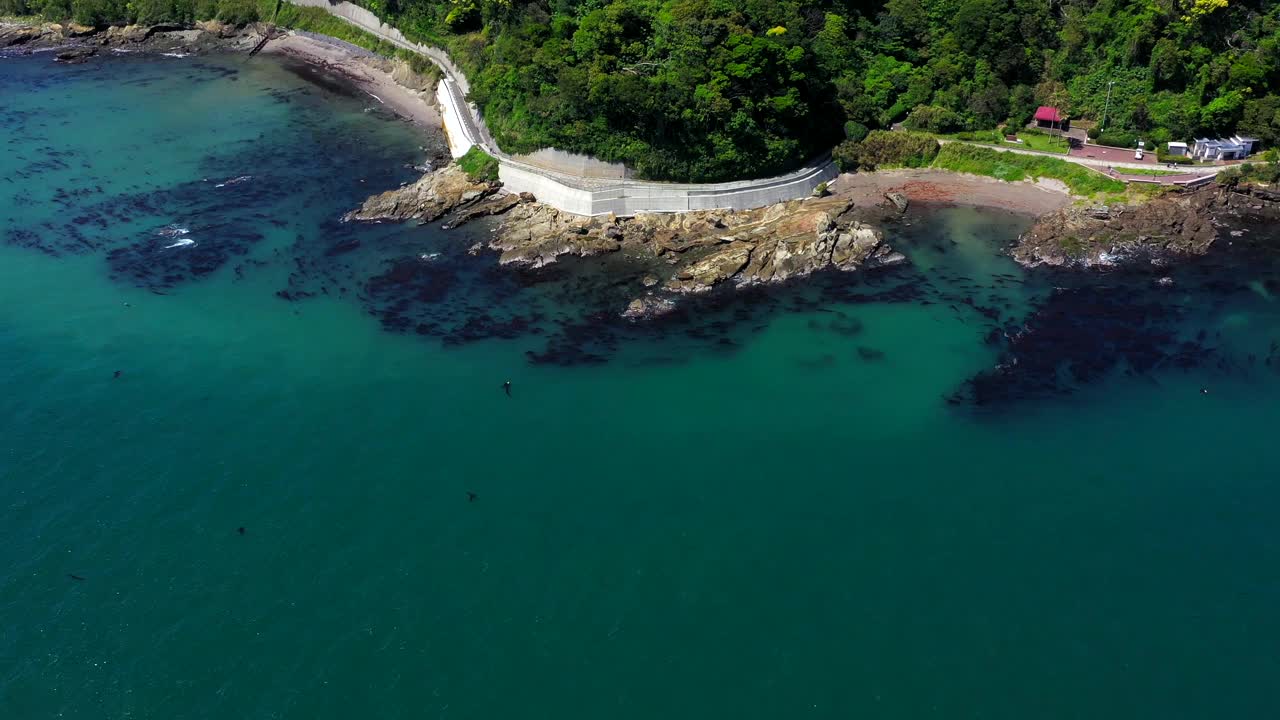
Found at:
[586, 193]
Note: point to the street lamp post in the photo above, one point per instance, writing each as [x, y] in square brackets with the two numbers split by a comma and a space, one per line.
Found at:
[1106, 107]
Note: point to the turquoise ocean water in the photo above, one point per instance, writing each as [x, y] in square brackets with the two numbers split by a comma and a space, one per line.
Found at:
[765, 508]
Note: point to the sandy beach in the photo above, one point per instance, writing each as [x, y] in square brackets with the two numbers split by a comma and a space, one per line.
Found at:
[948, 188]
[373, 74]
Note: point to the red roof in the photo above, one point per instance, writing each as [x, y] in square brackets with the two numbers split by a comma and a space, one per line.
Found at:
[1049, 114]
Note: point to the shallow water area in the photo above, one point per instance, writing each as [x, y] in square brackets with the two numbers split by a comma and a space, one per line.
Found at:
[794, 501]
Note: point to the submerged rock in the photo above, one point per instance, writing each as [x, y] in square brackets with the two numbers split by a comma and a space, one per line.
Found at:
[430, 198]
[648, 307]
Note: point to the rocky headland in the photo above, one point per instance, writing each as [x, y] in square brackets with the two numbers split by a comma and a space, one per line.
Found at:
[682, 253]
[1178, 224]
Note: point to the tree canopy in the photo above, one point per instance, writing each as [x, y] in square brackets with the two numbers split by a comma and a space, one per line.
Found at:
[726, 89]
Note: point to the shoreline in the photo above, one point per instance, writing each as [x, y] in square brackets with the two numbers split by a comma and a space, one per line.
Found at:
[928, 186]
[366, 72]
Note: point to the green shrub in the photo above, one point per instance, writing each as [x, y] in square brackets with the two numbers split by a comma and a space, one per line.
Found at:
[237, 12]
[886, 148]
[1117, 138]
[1162, 154]
[930, 118]
[855, 131]
[479, 165]
[1012, 167]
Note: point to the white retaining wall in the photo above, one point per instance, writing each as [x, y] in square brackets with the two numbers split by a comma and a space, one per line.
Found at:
[459, 143]
[565, 191]
[628, 197]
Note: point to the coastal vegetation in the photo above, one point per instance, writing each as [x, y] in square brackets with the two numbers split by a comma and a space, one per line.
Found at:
[718, 89]
[1266, 173]
[707, 90]
[1012, 167]
[479, 165]
[883, 149]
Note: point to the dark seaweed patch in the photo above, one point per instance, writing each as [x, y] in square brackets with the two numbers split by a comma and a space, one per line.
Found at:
[1082, 335]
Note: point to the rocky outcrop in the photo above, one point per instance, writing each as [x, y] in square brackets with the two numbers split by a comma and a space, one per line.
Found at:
[535, 235]
[428, 199]
[203, 36]
[697, 251]
[1178, 224]
[647, 307]
[18, 35]
[76, 55]
[129, 34]
[719, 265]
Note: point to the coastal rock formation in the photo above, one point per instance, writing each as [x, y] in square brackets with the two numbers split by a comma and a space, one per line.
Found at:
[696, 251]
[431, 197]
[204, 36]
[1179, 224]
[75, 55]
[706, 248]
[22, 35]
[1169, 226]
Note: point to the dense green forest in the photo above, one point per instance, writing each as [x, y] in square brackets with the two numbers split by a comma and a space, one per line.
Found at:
[718, 89]
[715, 89]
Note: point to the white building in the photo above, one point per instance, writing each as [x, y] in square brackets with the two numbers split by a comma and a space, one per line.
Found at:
[1250, 144]
[1178, 148]
[1209, 150]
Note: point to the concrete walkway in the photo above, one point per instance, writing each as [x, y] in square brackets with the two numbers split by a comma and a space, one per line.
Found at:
[1193, 176]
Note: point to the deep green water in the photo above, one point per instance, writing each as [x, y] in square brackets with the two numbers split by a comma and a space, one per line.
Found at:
[745, 519]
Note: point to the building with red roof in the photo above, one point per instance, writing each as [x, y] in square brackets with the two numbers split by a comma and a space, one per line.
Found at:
[1052, 117]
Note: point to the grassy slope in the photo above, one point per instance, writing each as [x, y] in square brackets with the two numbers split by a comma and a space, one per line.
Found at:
[959, 157]
[479, 165]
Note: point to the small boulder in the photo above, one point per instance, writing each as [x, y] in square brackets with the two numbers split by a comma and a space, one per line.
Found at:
[898, 199]
[648, 307]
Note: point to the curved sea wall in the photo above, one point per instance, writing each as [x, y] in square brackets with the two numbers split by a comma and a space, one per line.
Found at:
[578, 184]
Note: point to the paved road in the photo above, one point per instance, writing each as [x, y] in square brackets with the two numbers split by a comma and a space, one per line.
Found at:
[1101, 165]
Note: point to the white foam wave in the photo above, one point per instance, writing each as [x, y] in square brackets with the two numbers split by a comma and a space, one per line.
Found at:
[235, 181]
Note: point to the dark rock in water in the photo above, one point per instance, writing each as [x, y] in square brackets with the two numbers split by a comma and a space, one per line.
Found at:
[76, 55]
[872, 354]
[649, 306]
[342, 247]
